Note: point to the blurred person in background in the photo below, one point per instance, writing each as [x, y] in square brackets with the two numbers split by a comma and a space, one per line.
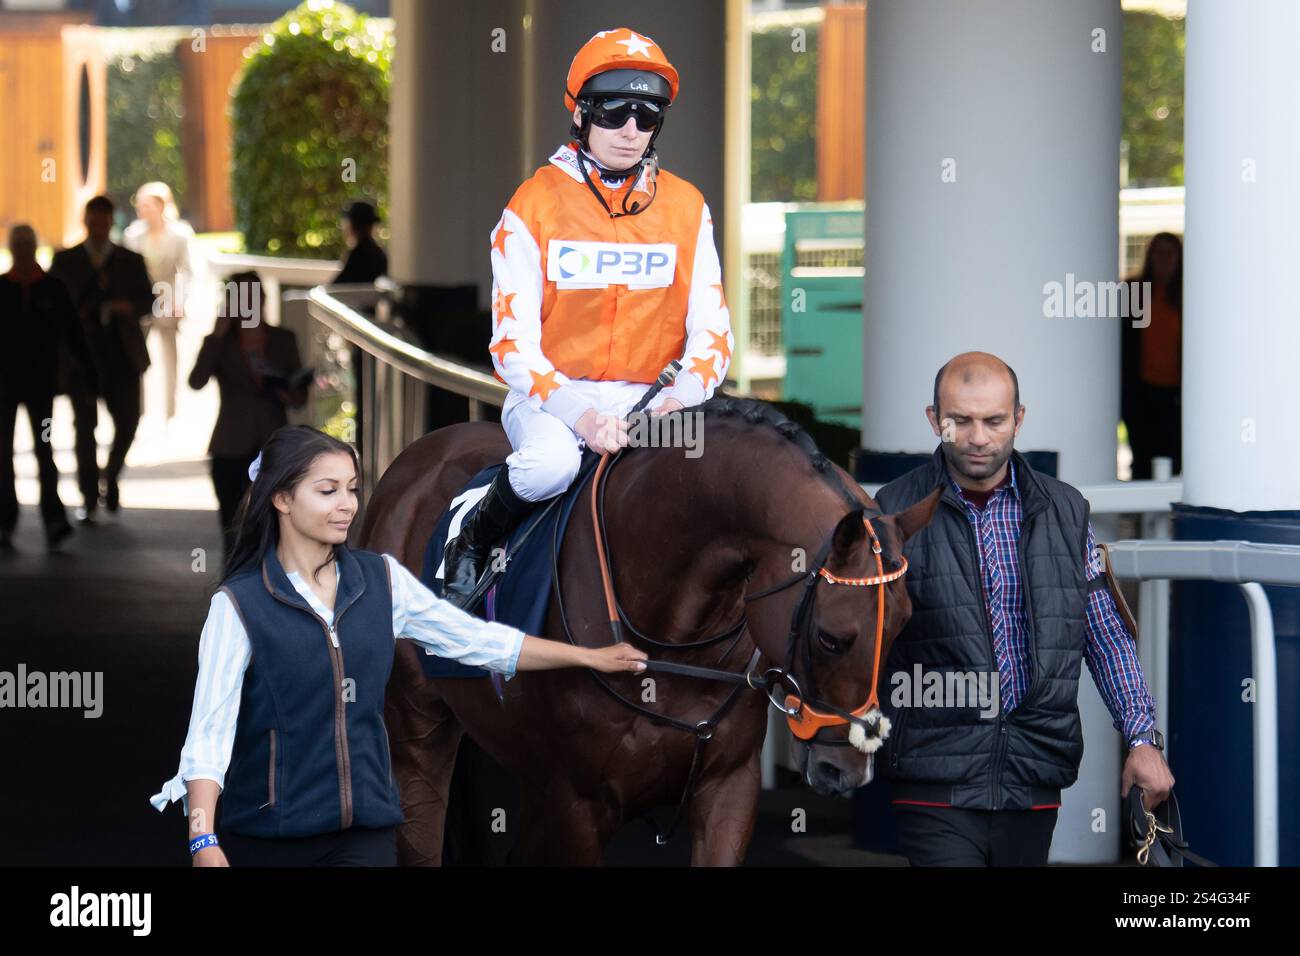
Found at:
[38, 325]
[365, 260]
[163, 239]
[113, 295]
[1151, 363]
[258, 375]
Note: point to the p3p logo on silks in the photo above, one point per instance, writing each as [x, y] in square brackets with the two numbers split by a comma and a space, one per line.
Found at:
[574, 263]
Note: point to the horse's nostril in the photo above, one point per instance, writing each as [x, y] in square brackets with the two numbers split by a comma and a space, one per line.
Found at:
[829, 773]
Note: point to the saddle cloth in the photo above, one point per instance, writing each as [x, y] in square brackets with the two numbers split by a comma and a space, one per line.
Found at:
[521, 596]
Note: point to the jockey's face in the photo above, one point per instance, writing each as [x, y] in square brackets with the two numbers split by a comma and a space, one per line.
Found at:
[617, 149]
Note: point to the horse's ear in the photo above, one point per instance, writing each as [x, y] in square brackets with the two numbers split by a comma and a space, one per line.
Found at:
[849, 533]
[915, 518]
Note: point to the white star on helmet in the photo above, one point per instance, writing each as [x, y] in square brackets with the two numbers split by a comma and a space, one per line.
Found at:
[636, 46]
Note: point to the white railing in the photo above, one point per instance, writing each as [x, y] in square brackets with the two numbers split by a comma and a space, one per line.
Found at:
[1250, 566]
[394, 370]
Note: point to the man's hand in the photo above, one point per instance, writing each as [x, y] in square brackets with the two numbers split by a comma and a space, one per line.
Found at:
[668, 405]
[604, 434]
[1146, 768]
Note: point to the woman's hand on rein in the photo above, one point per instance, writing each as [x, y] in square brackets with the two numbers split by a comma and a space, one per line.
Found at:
[616, 659]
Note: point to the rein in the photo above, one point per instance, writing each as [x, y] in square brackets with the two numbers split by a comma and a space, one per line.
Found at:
[805, 713]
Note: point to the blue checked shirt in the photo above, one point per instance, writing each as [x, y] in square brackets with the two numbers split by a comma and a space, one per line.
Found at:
[1110, 650]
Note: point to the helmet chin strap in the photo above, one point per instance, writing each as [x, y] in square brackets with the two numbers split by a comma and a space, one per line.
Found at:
[649, 160]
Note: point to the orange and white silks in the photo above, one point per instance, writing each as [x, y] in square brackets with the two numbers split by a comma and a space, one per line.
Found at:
[578, 294]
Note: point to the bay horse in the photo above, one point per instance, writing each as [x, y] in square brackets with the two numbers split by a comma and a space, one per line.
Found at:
[739, 541]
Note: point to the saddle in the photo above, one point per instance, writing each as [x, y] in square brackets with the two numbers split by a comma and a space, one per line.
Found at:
[519, 594]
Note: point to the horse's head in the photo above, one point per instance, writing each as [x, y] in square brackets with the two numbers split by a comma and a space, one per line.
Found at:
[842, 636]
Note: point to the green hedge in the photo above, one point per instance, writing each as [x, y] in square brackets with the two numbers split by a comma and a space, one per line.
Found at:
[1154, 48]
[312, 96]
[144, 126]
[783, 117]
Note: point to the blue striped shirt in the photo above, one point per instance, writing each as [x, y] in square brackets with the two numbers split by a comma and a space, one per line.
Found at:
[1110, 650]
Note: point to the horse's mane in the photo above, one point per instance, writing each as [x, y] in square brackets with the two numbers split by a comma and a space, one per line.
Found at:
[760, 414]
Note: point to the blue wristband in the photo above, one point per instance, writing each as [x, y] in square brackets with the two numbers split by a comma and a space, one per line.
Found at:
[198, 843]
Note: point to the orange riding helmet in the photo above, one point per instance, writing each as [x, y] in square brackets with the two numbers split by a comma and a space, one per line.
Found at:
[625, 56]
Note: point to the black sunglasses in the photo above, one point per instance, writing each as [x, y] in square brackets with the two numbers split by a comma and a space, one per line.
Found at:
[613, 114]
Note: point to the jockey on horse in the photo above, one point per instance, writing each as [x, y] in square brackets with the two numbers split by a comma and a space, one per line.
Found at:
[604, 270]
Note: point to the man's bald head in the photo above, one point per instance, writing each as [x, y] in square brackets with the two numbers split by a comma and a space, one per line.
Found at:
[979, 418]
[974, 367]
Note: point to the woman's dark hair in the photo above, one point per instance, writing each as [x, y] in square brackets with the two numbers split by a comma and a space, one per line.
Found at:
[287, 456]
[234, 298]
[1174, 288]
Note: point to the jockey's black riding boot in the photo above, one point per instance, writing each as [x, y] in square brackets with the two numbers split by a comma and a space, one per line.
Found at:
[498, 513]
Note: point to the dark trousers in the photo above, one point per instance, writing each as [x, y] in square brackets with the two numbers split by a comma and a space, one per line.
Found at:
[40, 410]
[947, 836]
[230, 481]
[1156, 428]
[120, 389]
[356, 846]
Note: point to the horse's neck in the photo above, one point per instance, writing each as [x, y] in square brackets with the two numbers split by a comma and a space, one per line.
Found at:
[692, 537]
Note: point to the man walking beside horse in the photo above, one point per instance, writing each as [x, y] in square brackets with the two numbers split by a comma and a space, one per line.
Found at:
[1007, 578]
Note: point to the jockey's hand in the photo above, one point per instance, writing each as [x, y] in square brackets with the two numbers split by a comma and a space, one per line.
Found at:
[616, 659]
[604, 434]
[1146, 768]
[668, 405]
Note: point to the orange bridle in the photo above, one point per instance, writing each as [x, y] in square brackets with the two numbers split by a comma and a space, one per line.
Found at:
[804, 719]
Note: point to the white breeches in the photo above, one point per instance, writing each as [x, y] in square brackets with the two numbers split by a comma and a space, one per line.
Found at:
[546, 451]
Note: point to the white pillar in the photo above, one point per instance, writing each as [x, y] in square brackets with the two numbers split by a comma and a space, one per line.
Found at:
[1010, 98]
[993, 170]
[456, 135]
[1241, 324]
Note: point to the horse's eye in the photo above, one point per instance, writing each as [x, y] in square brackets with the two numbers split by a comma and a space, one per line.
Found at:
[832, 643]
